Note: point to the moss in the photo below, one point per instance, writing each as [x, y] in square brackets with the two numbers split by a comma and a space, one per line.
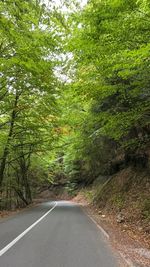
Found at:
[89, 195]
[146, 209]
[118, 201]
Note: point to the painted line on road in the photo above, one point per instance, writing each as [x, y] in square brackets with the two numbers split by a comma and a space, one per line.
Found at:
[102, 230]
[127, 260]
[12, 243]
[98, 226]
[122, 255]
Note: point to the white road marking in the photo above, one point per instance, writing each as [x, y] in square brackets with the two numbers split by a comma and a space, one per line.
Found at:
[98, 226]
[12, 243]
[102, 230]
[127, 260]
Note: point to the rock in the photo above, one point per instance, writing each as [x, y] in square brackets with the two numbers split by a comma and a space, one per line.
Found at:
[103, 216]
[147, 230]
[120, 218]
[140, 229]
[100, 212]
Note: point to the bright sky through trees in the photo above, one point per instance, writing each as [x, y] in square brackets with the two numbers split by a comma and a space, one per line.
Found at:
[65, 7]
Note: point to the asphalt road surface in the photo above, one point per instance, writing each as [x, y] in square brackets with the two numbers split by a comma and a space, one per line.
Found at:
[53, 234]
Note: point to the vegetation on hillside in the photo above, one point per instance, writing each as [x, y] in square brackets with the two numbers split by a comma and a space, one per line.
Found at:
[108, 99]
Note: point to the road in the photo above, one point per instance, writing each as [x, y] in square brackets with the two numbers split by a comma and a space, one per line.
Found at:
[53, 234]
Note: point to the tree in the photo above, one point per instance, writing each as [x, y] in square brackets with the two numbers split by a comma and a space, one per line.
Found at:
[112, 78]
[29, 48]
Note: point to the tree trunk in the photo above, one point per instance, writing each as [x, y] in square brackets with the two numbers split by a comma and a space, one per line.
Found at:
[6, 149]
[27, 187]
[24, 166]
[20, 195]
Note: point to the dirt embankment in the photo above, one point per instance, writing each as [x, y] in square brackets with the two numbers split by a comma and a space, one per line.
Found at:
[127, 195]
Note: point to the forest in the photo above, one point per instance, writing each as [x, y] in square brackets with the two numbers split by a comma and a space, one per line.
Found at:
[74, 95]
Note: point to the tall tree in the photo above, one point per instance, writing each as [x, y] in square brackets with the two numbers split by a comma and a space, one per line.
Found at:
[31, 36]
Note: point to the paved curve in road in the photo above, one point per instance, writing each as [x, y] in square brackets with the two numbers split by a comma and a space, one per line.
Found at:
[65, 237]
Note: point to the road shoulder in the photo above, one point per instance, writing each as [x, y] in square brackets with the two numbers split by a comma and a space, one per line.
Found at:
[134, 253]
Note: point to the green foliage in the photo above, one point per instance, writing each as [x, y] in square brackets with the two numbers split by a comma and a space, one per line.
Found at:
[99, 114]
[71, 188]
[29, 47]
[118, 201]
[146, 209]
[106, 107]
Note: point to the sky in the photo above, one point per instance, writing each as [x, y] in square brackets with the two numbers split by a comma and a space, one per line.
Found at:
[64, 7]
